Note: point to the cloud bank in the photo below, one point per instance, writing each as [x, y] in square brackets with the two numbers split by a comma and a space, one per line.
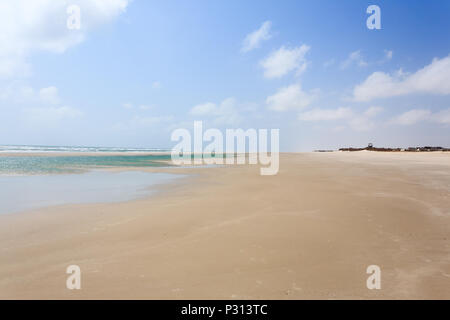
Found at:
[432, 79]
[41, 25]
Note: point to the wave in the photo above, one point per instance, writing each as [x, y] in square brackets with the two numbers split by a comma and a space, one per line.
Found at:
[34, 148]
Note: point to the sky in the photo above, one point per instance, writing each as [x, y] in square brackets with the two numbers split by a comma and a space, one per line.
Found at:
[137, 70]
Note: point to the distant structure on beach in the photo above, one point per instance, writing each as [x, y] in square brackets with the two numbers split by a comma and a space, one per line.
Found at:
[370, 147]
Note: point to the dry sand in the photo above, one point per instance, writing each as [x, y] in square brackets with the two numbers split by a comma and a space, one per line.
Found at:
[229, 233]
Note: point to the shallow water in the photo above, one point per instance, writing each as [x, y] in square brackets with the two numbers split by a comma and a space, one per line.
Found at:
[18, 165]
[19, 193]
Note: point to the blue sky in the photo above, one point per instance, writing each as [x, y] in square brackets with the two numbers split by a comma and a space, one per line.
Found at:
[136, 70]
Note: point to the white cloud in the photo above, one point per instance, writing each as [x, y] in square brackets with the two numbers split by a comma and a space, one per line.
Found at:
[442, 117]
[223, 113]
[207, 108]
[432, 79]
[139, 122]
[254, 39]
[356, 121]
[388, 54]
[128, 105]
[291, 97]
[228, 113]
[285, 60]
[16, 93]
[354, 58]
[326, 114]
[364, 121]
[51, 115]
[40, 25]
[37, 107]
[361, 123]
[49, 95]
[414, 116]
[373, 111]
[411, 117]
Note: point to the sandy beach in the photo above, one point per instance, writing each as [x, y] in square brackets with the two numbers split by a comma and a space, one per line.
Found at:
[229, 233]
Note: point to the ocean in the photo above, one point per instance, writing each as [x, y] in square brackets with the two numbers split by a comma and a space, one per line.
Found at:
[22, 160]
[54, 177]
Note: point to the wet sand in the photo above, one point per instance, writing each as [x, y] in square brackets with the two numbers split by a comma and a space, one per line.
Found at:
[229, 233]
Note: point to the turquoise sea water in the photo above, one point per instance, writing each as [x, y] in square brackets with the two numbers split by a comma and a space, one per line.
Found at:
[29, 181]
[23, 164]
